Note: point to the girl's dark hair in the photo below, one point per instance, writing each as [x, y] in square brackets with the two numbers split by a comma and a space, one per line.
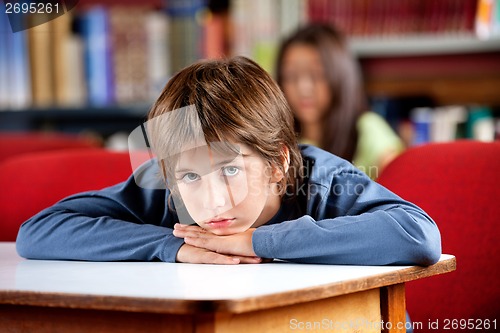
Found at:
[343, 76]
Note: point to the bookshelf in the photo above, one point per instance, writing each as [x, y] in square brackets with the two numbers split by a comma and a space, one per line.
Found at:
[59, 93]
[456, 78]
[422, 45]
[440, 56]
[406, 48]
[101, 121]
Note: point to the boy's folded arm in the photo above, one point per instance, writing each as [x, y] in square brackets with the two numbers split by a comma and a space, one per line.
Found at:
[67, 235]
[122, 222]
[376, 238]
[375, 227]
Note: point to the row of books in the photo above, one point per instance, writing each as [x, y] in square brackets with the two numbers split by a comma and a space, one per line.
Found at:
[101, 56]
[260, 25]
[360, 20]
[417, 121]
[448, 123]
[119, 55]
[488, 19]
[396, 17]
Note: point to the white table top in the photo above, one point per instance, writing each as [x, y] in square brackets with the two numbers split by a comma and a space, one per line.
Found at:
[187, 282]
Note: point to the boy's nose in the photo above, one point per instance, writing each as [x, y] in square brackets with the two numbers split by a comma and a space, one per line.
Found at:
[214, 193]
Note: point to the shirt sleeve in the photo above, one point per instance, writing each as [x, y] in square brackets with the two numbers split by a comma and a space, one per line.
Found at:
[122, 222]
[376, 141]
[357, 221]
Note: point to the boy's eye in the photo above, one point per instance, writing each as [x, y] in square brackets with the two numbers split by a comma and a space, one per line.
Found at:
[230, 171]
[190, 177]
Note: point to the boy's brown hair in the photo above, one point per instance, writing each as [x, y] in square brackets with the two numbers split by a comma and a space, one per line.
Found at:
[235, 101]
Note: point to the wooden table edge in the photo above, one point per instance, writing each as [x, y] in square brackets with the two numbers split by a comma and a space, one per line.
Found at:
[176, 306]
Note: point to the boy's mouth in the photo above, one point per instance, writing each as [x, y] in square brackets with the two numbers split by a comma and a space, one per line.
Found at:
[220, 222]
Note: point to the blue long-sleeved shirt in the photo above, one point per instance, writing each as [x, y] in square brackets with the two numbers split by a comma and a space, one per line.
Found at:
[339, 216]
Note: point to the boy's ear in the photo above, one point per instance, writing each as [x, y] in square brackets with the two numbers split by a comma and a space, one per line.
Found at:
[278, 173]
[286, 158]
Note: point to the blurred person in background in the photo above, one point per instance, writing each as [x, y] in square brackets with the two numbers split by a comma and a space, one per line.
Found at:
[322, 82]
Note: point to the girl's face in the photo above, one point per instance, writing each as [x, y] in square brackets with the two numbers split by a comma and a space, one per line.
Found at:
[227, 193]
[304, 83]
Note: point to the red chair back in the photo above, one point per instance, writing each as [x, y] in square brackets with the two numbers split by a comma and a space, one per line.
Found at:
[13, 144]
[32, 182]
[458, 185]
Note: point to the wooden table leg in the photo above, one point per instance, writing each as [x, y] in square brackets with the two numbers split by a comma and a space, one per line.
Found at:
[393, 308]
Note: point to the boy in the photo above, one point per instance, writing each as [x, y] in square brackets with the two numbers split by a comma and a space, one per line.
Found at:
[226, 150]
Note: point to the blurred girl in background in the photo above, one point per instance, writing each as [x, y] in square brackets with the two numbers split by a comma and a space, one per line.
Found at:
[322, 82]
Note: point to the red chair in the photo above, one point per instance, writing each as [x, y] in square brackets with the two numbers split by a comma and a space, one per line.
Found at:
[32, 182]
[13, 144]
[458, 184]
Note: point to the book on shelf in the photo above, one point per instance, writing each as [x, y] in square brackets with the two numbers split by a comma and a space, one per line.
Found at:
[265, 32]
[97, 54]
[63, 65]
[260, 41]
[242, 36]
[481, 123]
[4, 65]
[487, 22]
[20, 82]
[15, 84]
[75, 93]
[129, 46]
[217, 29]
[421, 118]
[447, 123]
[186, 32]
[418, 121]
[157, 32]
[41, 63]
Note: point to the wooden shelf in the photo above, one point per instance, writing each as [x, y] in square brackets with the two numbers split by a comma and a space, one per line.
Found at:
[412, 45]
[104, 121]
[460, 78]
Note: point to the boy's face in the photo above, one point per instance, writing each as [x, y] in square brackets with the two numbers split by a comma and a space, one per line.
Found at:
[225, 192]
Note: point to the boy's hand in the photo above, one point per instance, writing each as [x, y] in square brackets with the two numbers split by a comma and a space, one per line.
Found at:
[195, 255]
[234, 245]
